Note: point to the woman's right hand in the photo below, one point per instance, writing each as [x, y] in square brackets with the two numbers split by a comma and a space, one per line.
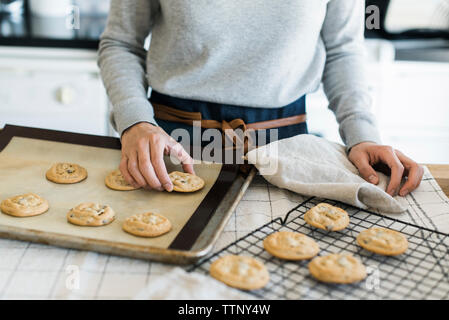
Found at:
[143, 148]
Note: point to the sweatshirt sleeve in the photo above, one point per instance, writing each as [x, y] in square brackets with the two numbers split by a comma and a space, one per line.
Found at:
[122, 60]
[344, 74]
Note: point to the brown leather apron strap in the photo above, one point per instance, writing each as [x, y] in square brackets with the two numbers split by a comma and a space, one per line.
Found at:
[172, 114]
[277, 123]
[166, 113]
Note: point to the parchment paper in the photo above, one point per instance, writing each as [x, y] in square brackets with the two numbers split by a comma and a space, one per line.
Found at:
[24, 162]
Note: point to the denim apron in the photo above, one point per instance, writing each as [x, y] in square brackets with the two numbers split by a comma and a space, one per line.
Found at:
[220, 112]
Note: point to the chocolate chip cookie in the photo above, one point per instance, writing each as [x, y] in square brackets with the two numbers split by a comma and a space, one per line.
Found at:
[27, 205]
[115, 181]
[240, 272]
[383, 241]
[186, 182]
[337, 268]
[66, 173]
[327, 217]
[147, 225]
[291, 246]
[91, 215]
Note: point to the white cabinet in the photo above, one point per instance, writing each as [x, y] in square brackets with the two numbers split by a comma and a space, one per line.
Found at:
[416, 96]
[53, 89]
[414, 114]
[411, 104]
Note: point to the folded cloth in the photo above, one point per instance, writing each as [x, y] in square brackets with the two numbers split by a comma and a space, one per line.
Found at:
[178, 284]
[313, 166]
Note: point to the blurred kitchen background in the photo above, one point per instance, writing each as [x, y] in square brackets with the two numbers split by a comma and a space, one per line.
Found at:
[49, 77]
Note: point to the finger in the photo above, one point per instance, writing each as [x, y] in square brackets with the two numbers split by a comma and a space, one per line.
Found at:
[133, 168]
[365, 169]
[397, 170]
[146, 167]
[185, 159]
[157, 159]
[125, 173]
[414, 177]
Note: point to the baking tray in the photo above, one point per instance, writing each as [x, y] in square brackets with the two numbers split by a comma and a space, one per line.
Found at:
[422, 272]
[198, 219]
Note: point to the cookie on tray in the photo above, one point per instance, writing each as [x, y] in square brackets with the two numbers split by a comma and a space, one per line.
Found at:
[185, 182]
[383, 241]
[327, 217]
[27, 205]
[291, 246]
[337, 268]
[147, 225]
[91, 215]
[66, 173]
[240, 272]
[115, 181]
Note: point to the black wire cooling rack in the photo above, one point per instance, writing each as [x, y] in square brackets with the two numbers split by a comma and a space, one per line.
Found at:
[420, 273]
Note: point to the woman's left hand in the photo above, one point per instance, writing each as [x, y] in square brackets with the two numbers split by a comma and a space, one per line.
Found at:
[367, 154]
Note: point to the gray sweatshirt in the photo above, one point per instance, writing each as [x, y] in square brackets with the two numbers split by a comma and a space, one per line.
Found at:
[253, 53]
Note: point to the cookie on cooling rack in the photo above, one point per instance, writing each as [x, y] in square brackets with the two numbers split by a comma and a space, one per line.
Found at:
[27, 205]
[337, 268]
[147, 225]
[240, 272]
[66, 173]
[383, 241]
[327, 217]
[186, 182]
[291, 246]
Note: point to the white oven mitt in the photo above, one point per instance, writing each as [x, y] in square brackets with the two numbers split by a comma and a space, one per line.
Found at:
[314, 166]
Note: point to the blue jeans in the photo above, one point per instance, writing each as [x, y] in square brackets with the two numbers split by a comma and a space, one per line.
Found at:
[220, 112]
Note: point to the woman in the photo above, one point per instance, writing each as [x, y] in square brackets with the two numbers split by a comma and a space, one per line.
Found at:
[252, 60]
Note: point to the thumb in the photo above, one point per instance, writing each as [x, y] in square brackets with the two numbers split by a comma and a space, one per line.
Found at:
[366, 170]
